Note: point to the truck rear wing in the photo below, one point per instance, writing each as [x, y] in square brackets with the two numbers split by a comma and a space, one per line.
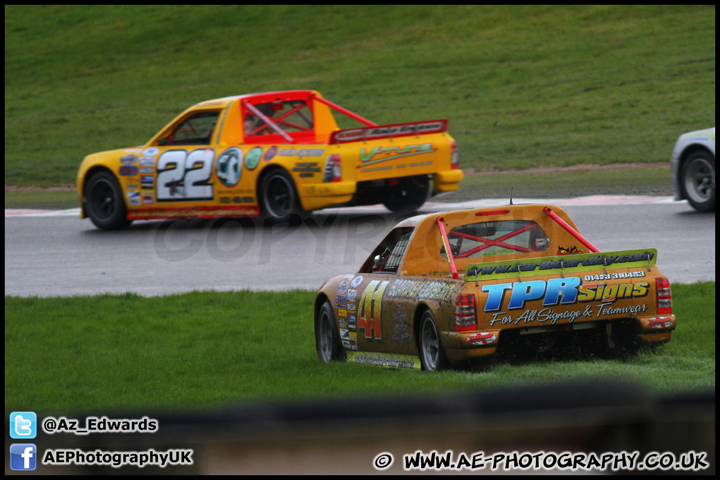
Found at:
[394, 130]
[563, 264]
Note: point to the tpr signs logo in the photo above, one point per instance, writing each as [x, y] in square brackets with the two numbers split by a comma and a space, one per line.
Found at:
[23, 425]
[23, 456]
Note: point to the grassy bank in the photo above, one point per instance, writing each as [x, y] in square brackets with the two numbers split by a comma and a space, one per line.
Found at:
[208, 349]
[522, 86]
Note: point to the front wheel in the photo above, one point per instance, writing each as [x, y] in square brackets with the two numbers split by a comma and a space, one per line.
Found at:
[327, 339]
[408, 195]
[104, 202]
[278, 197]
[698, 181]
[432, 354]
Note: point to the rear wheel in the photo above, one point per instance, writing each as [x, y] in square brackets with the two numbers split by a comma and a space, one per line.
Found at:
[278, 197]
[432, 354]
[408, 195]
[698, 181]
[327, 339]
[104, 202]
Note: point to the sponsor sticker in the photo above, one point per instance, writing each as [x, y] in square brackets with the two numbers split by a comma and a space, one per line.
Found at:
[387, 360]
[351, 135]
[306, 152]
[128, 170]
[270, 154]
[483, 338]
[343, 287]
[340, 301]
[252, 159]
[133, 197]
[228, 166]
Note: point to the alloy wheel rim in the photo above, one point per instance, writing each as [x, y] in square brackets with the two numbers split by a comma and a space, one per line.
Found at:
[325, 338]
[430, 345]
[278, 197]
[700, 181]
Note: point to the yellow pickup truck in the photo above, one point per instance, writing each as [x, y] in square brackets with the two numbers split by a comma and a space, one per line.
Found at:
[447, 288]
[276, 154]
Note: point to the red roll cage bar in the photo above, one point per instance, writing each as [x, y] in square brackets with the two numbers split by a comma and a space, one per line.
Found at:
[500, 242]
[273, 123]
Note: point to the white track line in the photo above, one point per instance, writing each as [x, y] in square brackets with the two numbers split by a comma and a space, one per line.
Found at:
[75, 212]
[428, 207]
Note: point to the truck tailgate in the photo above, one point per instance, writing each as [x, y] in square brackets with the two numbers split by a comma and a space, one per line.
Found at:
[397, 150]
[565, 289]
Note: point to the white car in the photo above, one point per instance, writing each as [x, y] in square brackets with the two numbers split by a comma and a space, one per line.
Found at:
[693, 168]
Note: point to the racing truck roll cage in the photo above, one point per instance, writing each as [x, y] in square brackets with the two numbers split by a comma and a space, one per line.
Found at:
[488, 242]
[371, 129]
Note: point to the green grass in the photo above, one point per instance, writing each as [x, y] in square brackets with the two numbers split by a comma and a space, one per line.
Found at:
[208, 349]
[522, 86]
[44, 198]
[566, 183]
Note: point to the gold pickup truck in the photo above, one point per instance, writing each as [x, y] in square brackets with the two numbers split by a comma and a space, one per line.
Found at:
[446, 288]
[276, 154]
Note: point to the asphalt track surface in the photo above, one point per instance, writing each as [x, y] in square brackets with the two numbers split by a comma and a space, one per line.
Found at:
[56, 254]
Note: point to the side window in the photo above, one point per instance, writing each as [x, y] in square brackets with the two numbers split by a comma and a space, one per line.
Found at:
[387, 256]
[289, 116]
[195, 130]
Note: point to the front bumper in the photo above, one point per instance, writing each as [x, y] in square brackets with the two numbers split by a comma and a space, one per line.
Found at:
[675, 169]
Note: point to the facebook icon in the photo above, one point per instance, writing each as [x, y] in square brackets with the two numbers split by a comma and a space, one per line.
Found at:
[23, 456]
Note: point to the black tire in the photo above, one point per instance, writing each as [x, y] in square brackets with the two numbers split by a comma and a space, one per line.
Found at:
[104, 202]
[327, 338]
[408, 195]
[697, 180]
[278, 198]
[432, 354]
